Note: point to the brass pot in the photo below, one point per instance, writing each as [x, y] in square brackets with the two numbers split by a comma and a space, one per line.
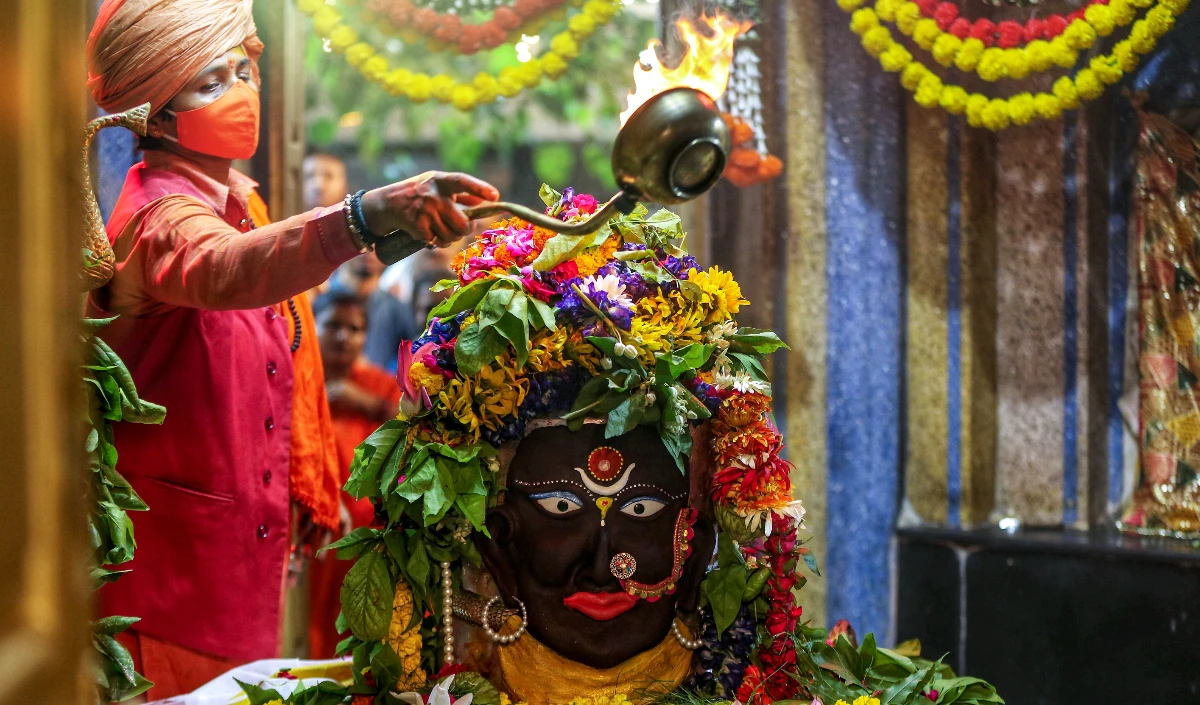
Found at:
[671, 150]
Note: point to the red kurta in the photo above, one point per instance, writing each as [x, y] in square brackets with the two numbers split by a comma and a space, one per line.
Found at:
[201, 334]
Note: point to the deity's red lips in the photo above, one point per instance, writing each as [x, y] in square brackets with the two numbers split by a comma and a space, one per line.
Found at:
[601, 606]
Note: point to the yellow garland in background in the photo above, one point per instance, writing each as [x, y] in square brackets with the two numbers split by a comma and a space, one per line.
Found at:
[998, 113]
[995, 63]
[510, 82]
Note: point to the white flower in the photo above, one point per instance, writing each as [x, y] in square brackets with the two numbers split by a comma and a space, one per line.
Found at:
[610, 284]
[740, 382]
[793, 510]
[720, 333]
[440, 695]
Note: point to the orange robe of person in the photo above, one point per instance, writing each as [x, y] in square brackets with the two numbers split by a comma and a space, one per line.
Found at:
[326, 572]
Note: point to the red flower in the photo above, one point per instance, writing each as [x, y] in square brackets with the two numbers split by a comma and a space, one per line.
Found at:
[932, 695]
[984, 31]
[586, 203]
[750, 691]
[945, 14]
[1011, 34]
[1034, 29]
[960, 28]
[535, 286]
[449, 670]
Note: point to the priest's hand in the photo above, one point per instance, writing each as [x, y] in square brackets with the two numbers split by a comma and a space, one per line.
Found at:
[427, 207]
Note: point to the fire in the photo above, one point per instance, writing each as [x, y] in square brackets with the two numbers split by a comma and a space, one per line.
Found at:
[704, 66]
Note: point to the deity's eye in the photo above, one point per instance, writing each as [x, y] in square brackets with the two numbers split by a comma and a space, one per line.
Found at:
[558, 503]
[642, 507]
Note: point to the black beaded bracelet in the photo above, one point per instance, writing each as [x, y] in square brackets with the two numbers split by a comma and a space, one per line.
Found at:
[360, 221]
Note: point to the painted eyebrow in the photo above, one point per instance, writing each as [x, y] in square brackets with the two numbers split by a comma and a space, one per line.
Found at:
[557, 495]
[544, 483]
[656, 488]
[643, 498]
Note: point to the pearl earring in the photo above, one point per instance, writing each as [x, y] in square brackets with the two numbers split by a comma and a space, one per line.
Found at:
[504, 640]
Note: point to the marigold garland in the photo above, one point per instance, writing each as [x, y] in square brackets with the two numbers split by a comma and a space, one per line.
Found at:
[1006, 34]
[484, 88]
[998, 113]
[444, 30]
[994, 63]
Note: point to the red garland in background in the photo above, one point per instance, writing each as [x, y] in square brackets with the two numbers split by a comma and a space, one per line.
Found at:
[1007, 34]
[469, 38]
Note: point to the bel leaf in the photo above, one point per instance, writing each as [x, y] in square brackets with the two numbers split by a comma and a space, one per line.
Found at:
[366, 597]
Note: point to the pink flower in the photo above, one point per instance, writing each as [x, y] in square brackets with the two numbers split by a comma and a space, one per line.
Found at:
[932, 695]
[412, 400]
[584, 202]
[520, 242]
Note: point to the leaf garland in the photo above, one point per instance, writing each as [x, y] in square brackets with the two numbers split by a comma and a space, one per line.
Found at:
[112, 396]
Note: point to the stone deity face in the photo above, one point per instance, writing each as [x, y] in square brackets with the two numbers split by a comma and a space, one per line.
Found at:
[562, 521]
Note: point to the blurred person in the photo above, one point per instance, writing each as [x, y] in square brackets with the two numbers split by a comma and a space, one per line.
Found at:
[391, 321]
[361, 396]
[324, 180]
[200, 277]
[424, 298]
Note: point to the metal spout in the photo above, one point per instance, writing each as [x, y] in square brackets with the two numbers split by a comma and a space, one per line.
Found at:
[99, 262]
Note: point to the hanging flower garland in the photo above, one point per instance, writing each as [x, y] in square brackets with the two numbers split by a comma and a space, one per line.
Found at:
[998, 113]
[484, 88]
[994, 63]
[1009, 33]
[448, 30]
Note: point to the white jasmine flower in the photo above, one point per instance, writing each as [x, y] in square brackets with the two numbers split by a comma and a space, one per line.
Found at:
[610, 284]
[740, 382]
[720, 333]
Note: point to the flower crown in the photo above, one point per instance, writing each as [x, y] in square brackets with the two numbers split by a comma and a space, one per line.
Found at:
[620, 325]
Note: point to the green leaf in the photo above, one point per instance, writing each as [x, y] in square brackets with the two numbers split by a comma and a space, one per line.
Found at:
[418, 563]
[756, 583]
[909, 688]
[850, 658]
[385, 665]
[810, 560]
[548, 195]
[474, 508]
[118, 654]
[364, 471]
[417, 484]
[366, 597]
[762, 342]
[516, 331]
[690, 357]
[866, 652]
[91, 325]
[393, 541]
[436, 498]
[354, 543]
[626, 416]
[495, 304]
[443, 285]
[465, 299]
[725, 585]
[112, 626]
[544, 314]
[477, 347]
[559, 249]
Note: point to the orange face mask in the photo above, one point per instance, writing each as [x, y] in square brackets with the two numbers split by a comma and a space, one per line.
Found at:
[226, 127]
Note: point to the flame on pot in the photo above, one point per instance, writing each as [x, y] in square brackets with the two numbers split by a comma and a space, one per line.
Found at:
[704, 66]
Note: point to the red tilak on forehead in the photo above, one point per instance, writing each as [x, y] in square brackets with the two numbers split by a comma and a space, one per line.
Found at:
[605, 463]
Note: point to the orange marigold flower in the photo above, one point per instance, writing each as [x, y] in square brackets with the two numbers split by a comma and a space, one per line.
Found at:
[744, 409]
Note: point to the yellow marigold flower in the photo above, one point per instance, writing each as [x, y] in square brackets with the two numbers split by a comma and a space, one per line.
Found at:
[505, 700]
[887, 9]
[877, 40]
[582, 25]
[1039, 54]
[991, 64]
[359, 52]
[1143, 3]
[593, 258]
[1088, 84]
[553, 64]
[996, 115]
[1107, 68]
[419, 88]
[1159, 20]
[1123, 12]
[863, 20]
[1101, 18]
[1062, 52]
[946, 48]
[1140, 37]
[463, 97]
[976, 104]
[326, 20]
[530, 74]
[1126, 57]
[1176, 7]
[849, 5]
[1068, 96]
[1021, 108]
[926, 33]
[929, 91]
[432, 382]
[308, 7]
[906, 17]
[1047, 106]
[954, 99]
[968, 57]
[564, 45]
[1016, 63]
[911, 77]
[375, 67]
[440, 86]
[895, 58]
[866, 700]
[341, 38]
[1079, 35]
[485, 86]
[396, 79]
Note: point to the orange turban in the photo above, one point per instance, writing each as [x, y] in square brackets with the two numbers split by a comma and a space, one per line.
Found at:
[146, 51]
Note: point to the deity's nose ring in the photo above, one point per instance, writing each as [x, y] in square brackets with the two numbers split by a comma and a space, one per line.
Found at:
[623, 566]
